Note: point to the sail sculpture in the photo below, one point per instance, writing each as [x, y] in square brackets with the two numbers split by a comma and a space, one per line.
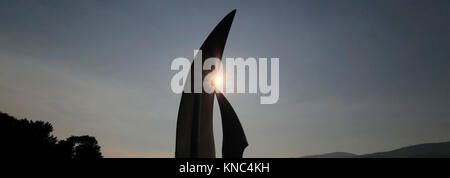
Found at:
[194, 135]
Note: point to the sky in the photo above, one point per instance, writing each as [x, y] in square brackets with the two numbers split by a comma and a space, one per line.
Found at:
[355, 76]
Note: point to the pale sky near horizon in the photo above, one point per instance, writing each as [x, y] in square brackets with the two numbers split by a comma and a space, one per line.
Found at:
[355, 76]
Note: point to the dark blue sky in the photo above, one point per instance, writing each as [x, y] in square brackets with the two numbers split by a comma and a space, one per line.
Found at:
[356, 76]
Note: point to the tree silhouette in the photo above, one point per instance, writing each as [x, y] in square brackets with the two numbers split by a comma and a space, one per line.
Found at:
[83, 147]
[23, 138]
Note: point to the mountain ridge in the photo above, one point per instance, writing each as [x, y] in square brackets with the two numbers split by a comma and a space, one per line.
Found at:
[425, 150]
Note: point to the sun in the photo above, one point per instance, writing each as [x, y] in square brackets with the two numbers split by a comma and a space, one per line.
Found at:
[217, 81]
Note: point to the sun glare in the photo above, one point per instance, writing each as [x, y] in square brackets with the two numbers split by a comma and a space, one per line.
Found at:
[217, 81]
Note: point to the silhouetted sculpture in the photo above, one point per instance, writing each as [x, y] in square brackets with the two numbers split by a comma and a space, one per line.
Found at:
[234, 140]
[25, 139]
[194, 137]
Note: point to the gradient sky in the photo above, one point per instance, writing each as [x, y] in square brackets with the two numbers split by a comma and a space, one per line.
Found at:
[355, 76]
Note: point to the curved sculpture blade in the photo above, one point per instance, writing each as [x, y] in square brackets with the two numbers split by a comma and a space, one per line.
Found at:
[234, 140]
[194, 137]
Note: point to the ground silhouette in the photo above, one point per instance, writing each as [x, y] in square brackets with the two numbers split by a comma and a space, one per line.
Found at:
[27, 139]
